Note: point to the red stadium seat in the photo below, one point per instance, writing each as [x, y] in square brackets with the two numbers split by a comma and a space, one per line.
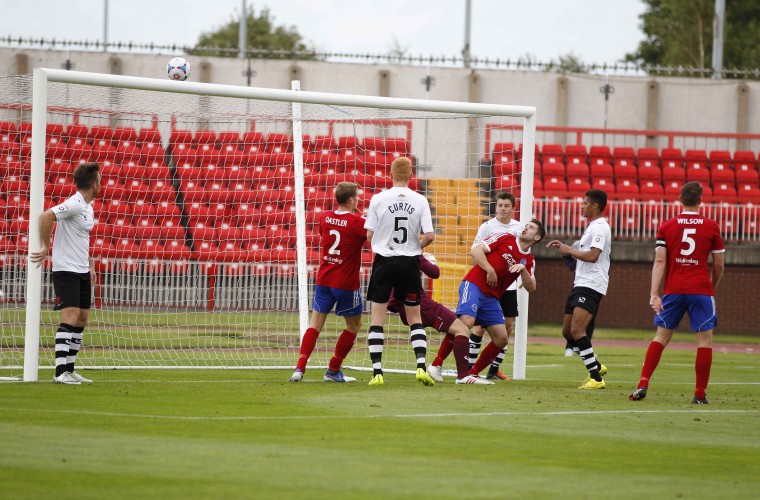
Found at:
[603, 183]
[625, 172]
[603, 170]
[673, 170]
[576, 154]
[553, 166]
[697, 171]
[599, 155]
[651, 190]
[555, 186]
[253, 143]
[552, 153]
[623, 157]
[648, 157]
[724, 192]
[720, 168]
[749, 193]
[278, 142]
[673, 156]
[578, 185]
[695, 157]
[627, 189]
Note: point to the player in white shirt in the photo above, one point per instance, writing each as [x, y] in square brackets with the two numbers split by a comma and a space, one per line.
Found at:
[73, 270]
[395, 220]
[591, 281]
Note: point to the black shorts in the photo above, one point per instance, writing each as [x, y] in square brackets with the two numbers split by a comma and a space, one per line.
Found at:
[585, 298]
[400, 274]
[509, 303]
[72, 290]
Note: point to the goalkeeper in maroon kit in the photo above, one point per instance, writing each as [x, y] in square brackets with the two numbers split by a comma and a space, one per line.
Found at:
[683, 246]
[342, 237]
[434, 315]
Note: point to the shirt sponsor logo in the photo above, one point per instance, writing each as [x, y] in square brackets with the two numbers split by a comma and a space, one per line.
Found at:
[510, 260]
[681, 260]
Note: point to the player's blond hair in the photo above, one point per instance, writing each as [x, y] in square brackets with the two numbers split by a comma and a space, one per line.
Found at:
[401, 169]
[344, 191]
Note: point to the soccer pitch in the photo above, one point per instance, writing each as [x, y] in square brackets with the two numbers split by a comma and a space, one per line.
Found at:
[251, 434]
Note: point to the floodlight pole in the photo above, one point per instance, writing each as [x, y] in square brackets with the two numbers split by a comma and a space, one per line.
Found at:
[105, 26]
[467, 19]
[243, 35]
[717, 54]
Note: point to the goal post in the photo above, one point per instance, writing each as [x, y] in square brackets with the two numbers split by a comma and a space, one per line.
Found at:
[239, 307]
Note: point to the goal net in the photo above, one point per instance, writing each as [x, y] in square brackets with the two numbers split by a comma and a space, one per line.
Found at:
[205, 241]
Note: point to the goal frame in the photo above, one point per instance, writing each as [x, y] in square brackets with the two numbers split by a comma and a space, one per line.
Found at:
[42, 76]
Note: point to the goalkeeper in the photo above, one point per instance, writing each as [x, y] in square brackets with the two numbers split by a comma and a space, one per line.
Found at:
[436, 315]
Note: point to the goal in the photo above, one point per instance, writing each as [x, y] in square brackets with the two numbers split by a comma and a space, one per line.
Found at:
[205, 241]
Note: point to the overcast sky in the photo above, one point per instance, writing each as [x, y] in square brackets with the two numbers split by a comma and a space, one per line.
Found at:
[595, 30]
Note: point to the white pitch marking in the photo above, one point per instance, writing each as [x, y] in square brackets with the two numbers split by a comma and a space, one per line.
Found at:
[397, 416]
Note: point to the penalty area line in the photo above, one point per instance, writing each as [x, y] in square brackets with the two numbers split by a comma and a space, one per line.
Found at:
[375, 416]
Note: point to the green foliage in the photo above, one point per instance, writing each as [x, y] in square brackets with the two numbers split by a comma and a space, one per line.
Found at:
[568, 63]
[262, 35]
[680, 33]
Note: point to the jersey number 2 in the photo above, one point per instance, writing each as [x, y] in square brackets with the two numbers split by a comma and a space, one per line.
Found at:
[334, 248]
[689, 241]
[398, 227]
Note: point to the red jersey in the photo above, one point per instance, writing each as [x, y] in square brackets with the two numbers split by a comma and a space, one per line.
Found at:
[689, 239]
[342, 237]
[502, 252]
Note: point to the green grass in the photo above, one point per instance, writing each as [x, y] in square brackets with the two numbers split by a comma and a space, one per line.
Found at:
[250, 434]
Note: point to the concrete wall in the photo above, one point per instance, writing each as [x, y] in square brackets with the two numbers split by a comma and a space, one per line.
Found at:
[682, 104]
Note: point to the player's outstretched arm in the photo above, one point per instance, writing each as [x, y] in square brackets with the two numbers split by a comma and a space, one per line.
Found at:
[429, 266]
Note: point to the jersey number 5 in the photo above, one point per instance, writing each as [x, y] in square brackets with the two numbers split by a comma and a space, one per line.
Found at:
[688, 240]
[398, 227]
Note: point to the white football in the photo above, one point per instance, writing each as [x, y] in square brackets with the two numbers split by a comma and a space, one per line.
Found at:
[431, 258]
[178, 69]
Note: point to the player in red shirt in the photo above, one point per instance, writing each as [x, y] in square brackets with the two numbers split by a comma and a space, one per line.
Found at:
[683, 246]
[342, 237]
[499, 260]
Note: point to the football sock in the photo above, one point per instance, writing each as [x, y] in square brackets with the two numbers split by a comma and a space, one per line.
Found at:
[702, 367]
[496, 363]
[307, 346]
[74, 346]
[447, 345]
[652, 359]
[587, 355]
[375, 341]
[342, 348]
[419, 344]
[461, 348]
[475, 342]
[62, 347]
[486, 358]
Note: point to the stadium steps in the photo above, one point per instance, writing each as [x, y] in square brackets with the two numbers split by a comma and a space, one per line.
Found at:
[458, 210]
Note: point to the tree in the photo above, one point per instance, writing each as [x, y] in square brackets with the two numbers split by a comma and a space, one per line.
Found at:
[680, 33]
[262, 35]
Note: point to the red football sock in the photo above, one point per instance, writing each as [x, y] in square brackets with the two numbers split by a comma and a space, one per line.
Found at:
[447, 345]
[461, 347]
[652, 359]
[342, 348]
[307, 345]
[702, 367]
[486, 358]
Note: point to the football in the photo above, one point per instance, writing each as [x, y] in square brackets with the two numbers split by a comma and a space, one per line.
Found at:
[178, 69]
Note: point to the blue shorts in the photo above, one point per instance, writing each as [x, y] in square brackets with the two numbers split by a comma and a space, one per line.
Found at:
[485, 309]
[701, 308]
[349, 302]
